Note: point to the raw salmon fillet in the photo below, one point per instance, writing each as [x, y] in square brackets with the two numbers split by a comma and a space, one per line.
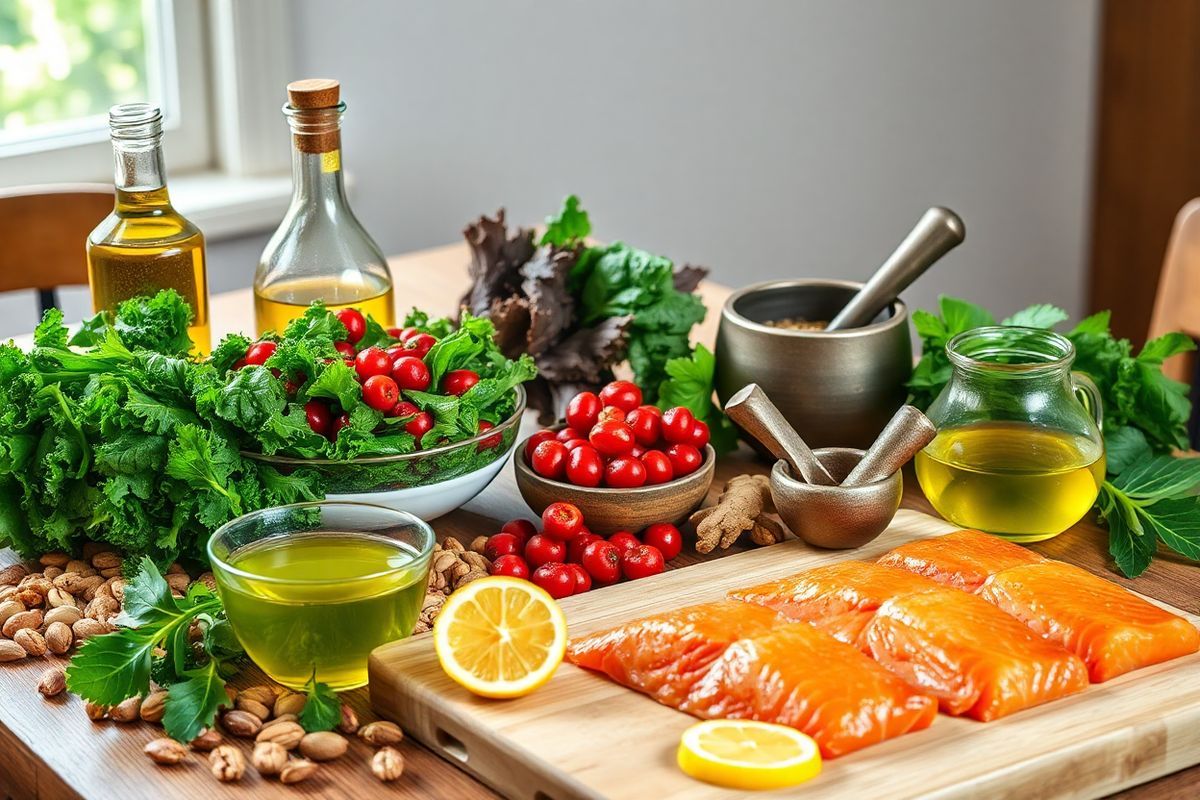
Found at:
[975, 659]
[1112, 630]
[739, 661]
[963, 559]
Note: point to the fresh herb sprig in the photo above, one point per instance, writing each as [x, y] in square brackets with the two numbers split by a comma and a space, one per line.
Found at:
[1149, 497]
[322, 711]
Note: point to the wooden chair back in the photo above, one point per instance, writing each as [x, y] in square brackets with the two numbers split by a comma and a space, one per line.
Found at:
[44, 230]
[1177, 304]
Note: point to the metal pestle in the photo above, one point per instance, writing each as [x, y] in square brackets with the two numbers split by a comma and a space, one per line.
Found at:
[905, 434]
[753, 410]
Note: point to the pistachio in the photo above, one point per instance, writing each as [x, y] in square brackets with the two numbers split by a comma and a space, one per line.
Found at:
[241, 723]
[263, 694]
[165, 751]
[69, 582]
[10, 575]
[387, 764]
[33, 642]
[287, 734]
[381, 733]
[206, 741]
[53, 682]
[154, 706]
[269, 758]
[251, 706]
[68, 615]
[226, 763]
[24, 619]
[95, 712]
[7, 593]
[289, 703]
[296, 770]
[477, 561]
[349, 722]
[323, 746]
[127, 710]
[11, 651]
[106, 560]
[8, 609]
[86, 628]
[59, 638]
[57, 598]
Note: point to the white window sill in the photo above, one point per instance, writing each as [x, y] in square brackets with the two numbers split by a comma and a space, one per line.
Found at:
[224, 206]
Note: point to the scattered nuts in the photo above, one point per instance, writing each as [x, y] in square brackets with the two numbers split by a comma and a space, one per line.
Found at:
[253, 707]
[11, 651]
[154, 706]
[95, 711]
[59, 638]
[53, 682]
[117, 587]
[450, 543]
[176, 569]
[12, 573]
[7, 593]
[9, 609]
[226, 763]
[23, 619]
[323, 746]
[208, 580]
[381, 733]
[230, 691]
[349, 723]
[127, 710]
[269, 758]
[296, 770]
[206, 741]
[177, 582]
[102, 608]
[285, 718]
[30, 597]
[58, 560]
[242, 724]
[289, 703]
[387, 764]
[286, 734]
[80, 567]
[57, 597]
[68, 615]
[33, 642]
[261, 694]
[85, 628]
[478, 544]
[165, 751]
[106, 560]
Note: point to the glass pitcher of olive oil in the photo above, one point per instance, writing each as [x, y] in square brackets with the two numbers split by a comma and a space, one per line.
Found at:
[1018, 451]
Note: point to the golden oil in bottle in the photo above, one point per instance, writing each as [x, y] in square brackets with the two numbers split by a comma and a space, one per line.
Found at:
[1016, 480]
[277, 305]
[145, 245]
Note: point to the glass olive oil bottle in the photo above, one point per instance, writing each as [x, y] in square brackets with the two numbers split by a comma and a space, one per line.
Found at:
[320, 251]
[145, 245]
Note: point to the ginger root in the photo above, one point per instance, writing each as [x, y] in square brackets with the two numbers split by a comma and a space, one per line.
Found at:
[742, 506]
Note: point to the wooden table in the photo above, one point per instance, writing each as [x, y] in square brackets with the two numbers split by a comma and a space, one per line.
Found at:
[49, 749]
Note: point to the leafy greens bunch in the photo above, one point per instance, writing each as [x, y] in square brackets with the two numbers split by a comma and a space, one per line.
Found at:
[1149, 497]
[153, 642]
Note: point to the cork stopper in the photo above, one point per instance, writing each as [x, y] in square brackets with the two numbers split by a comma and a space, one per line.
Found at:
[313, 93]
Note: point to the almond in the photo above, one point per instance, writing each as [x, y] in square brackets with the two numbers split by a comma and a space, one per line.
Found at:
[58, 560]
[38, 583]
[33, 642]
[127, 710]
[95, 712]
[154, 706]
[165, 751]
[88, 587]
[387, 764]
[296, 770]
[9, 608]
[262, 693]
[241, 723]
[67, 615]
[57, 598]
[323, 746]
[7, 593]
[69, 582]
[79, 567]
[179, 582]
[53, 682]
[112, 572]
[102, 608]
[381, 733]
[106, 560]
[32, 598]
[59, 638]
[25, 619]
[269, 758]
[91, 548]
[206, 741]
[11, 651]
[252, 707]
[226, 763]
[86, 628]
[10, 575]
[289, 703]
[117, 585]
[287, 734]
[349, 723]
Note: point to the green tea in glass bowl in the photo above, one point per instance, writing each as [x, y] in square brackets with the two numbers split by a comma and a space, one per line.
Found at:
[315, 587]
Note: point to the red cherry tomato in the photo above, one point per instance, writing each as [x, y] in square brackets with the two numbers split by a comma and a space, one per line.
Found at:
[666, 537]
[585, 467]
[318, 417]
[420, 425]
[381, 393]
[646, 426]
[567, 434]
[356, 324]
[502, 544]
[677, 425]
[404, 409]
[550, 460]
[491, 441]
[642, 562]
[685, 459]
[408, 333]
[583, 581]
[583, 410]
[419, 344]
[458, 381]
[602, 560]
[523, 529]
[259, 352]
[411, 374]
[533, 441]
[372, 361]
[556, 579]
[611, 438]
[339, 422]
[699, 435]
[290, 387]
[625, 395]
[512, 566]
[561, 521]
[624, 472]
[395, 333]
[578, 542]
[658, 467]
[544, 550]
[624, 540]
[612, 412]
[396, 352]
[347, 350]
[241, 362]
[572, 444]
[638, 451]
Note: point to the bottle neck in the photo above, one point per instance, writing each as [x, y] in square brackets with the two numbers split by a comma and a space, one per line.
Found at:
[139, 174]
[317, 179]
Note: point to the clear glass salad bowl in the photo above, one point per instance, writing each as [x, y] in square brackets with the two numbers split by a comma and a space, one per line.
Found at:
[427, 483]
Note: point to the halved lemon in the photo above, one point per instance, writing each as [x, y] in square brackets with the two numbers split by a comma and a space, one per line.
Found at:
[743, 754]
[500, 637]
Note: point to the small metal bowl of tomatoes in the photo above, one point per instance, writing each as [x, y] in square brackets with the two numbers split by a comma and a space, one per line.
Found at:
[617, 460]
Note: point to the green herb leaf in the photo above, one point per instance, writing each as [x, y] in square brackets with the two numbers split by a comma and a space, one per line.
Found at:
[1125, 446]
[1131, 549]
[962, 316]
[1176, 523]
[1043, 315]
[571, 226]
[1159, 478]
[192, 703]
[322, 711]
[337, 382]
[251, 398]
[690, 384]
[110, 668]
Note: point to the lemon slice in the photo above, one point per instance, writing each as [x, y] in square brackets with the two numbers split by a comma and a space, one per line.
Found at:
[500, 637]
[743, 754]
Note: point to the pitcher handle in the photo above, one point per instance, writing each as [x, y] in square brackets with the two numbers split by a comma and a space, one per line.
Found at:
[1089, 396]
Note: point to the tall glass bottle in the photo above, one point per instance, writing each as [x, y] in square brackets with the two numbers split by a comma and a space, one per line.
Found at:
[320, 251]
[145, 245]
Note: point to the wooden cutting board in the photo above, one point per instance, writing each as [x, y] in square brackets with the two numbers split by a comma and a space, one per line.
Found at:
[583, 736]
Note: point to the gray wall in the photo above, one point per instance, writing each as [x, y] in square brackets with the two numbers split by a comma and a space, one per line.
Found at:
[764, 138]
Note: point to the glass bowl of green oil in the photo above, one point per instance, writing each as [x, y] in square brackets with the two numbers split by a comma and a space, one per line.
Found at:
[315, 587]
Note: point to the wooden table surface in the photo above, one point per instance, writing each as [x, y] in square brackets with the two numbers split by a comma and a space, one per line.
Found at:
[49, 749]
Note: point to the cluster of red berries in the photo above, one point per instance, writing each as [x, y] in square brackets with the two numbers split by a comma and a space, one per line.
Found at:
[566, 558]
[612, 439]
